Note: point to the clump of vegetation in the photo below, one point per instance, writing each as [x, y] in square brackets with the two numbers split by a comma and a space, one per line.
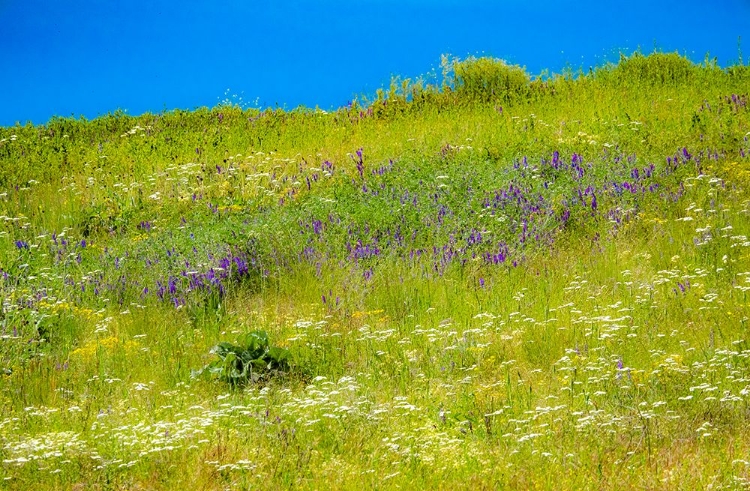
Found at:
[253, 359]
[489, 79]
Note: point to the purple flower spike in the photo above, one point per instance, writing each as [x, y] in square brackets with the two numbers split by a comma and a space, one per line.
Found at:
[242, 268]
[360, 163]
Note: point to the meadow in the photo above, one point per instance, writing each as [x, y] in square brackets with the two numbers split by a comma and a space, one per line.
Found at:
[490, 281]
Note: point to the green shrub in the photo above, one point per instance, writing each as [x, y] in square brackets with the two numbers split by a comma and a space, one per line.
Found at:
[654, 69]
[490, 79]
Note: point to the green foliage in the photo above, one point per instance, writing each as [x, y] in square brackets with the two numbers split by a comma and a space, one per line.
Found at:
[253, 359]
[490, 79]
[655, 69]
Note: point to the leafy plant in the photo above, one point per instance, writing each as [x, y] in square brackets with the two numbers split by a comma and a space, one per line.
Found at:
[252, 360]
[489, 79]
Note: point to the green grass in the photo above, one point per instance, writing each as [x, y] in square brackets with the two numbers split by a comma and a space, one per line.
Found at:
[499, 281]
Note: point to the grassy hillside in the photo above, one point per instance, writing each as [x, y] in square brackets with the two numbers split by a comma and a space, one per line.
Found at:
[497, 281]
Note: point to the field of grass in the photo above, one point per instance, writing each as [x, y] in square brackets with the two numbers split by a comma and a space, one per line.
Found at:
[497, 281]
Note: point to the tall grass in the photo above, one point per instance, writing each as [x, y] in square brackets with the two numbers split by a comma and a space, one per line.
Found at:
[492, 280]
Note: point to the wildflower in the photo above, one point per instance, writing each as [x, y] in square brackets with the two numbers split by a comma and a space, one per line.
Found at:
[360, 163]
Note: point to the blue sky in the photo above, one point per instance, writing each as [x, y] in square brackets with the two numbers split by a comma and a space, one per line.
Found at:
[93, 57]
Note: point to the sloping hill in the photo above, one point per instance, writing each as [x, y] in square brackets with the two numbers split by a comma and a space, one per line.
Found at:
[494, 281]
